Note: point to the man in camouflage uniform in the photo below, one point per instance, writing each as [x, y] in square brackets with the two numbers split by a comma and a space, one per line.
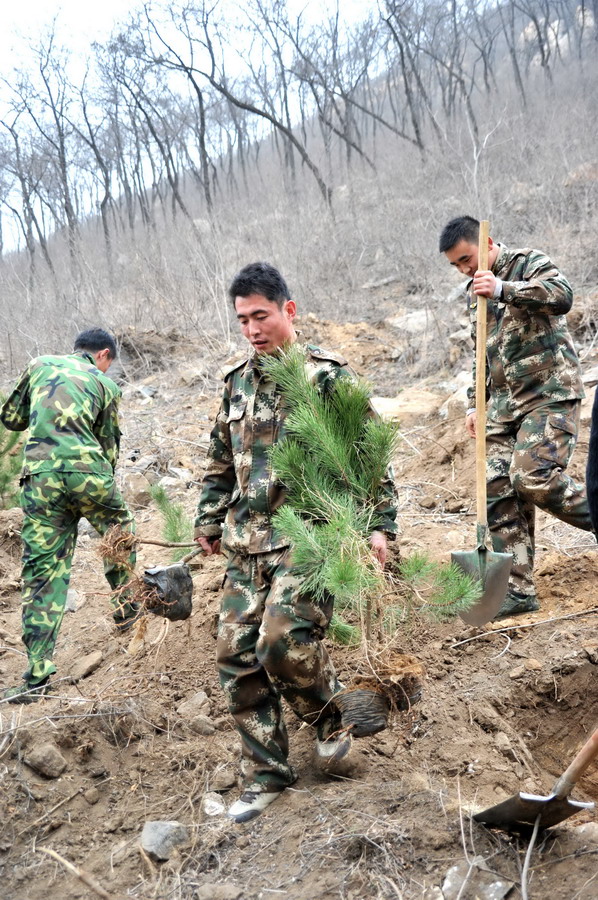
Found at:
[534, 390]
[270, 632]
[70, 407]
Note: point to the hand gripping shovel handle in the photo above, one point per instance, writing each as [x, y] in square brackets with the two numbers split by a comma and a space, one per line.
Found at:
[480, 392]
[571, 776]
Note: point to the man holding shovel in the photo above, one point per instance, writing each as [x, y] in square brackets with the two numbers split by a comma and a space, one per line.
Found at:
[534, 393]
[70, 407]
[269, 636]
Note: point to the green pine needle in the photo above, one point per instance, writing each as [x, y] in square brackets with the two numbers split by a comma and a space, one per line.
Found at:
[176, 525]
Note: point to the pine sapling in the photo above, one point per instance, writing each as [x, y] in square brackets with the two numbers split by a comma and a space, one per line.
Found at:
[177, 526]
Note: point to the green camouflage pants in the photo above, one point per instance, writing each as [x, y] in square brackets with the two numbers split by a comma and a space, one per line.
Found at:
[526, 463]
[269, 645]
[53, 503]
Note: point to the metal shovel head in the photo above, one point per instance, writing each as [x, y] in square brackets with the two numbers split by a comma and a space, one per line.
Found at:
[173, 590]
[523, 809]
[492, 570]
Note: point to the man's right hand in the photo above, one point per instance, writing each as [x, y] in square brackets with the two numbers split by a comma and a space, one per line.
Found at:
[470, 421]
[208, 545]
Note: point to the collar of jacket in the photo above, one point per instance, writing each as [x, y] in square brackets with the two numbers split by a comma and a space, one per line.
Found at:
[83, 354]
[503, 252]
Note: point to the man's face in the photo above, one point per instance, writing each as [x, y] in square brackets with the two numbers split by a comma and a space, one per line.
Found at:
[464, 257]
[266, 325]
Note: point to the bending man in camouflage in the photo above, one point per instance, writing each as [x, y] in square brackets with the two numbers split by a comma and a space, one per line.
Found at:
[534, 390]
[71, 410]
[269, 639]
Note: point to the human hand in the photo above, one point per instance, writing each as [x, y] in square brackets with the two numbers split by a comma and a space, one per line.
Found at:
[209, 545]
[484, 283]
[470, 422]
[379, 545]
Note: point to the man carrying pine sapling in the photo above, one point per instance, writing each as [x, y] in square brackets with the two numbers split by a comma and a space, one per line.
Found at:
[534, 393]
[70, 407]
[270, 632]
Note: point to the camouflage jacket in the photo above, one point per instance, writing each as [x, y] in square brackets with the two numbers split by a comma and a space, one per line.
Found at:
[530, 356]
[239, 492]
[71, 410]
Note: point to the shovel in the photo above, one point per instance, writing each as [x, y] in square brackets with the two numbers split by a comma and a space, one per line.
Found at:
[526, 809]
[491, 569]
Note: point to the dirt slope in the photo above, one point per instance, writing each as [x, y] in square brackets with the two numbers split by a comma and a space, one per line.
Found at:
[501, 709]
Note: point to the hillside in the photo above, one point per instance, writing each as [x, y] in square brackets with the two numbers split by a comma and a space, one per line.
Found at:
[503, 707]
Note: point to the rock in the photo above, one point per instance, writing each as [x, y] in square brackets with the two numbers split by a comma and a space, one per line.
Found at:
[455, 505]
[517, 672]
[590, 378]
[412, 323]
[481, 884]
[92, 795]
[428, 501]
[588, 832]
[212, 804]
[136, 488]
[181, 473]
[198, 704]
[202, 725]
[503, 743]
[86, 665]
[159, 839]
[416, 403]
[46, 759]
[533, 665]
[216, 891]
[73, 601]
[222, 779]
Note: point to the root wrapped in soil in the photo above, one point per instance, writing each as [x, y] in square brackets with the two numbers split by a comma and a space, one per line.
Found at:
[394, 682]
[169, 590]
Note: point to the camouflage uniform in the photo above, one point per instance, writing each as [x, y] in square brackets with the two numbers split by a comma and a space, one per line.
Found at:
[534, 389]
[269, 638]
[71, 410]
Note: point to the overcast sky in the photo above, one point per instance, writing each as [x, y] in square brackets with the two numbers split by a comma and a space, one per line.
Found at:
[82, 21]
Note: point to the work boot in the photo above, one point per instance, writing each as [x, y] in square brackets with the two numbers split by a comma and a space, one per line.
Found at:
[251, 804]
[125, 623]
[516, 603]
[27, 692]
[333, 748]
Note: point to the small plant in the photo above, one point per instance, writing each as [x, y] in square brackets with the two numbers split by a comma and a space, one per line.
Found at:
[11, 460]
[176, 525]
[431, 590]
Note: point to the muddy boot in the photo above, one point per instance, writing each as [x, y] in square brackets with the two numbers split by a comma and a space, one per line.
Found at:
[125, 623]
[516, 603]
[27, 692]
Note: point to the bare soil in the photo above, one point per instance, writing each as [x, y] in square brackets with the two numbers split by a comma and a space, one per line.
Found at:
[504, 708]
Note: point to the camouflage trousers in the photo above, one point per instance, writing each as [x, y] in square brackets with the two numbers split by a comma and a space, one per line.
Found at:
[269, 647]
[53, 504]
[526, 462]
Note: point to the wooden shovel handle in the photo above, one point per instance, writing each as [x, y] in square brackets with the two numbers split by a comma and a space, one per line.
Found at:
[568, 779]
[480, 383]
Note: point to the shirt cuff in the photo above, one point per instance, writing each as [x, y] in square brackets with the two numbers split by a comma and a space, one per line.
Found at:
[497, 289]
[470, 410]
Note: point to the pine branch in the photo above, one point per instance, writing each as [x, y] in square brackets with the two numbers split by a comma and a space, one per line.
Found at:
[177, 527]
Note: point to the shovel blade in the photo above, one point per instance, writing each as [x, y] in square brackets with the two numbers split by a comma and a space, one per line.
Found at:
[492, 570]
[523, 809]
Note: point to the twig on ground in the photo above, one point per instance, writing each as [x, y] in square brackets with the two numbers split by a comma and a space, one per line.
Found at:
[50, 811]
[493, 631]
[528, 856]
[80, 873]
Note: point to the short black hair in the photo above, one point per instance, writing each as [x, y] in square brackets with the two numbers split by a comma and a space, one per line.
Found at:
[94, 340]
[260, 278]
[463, 228]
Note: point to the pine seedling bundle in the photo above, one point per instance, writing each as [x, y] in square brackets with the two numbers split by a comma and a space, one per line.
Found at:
[333, 458]
[332, 461]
